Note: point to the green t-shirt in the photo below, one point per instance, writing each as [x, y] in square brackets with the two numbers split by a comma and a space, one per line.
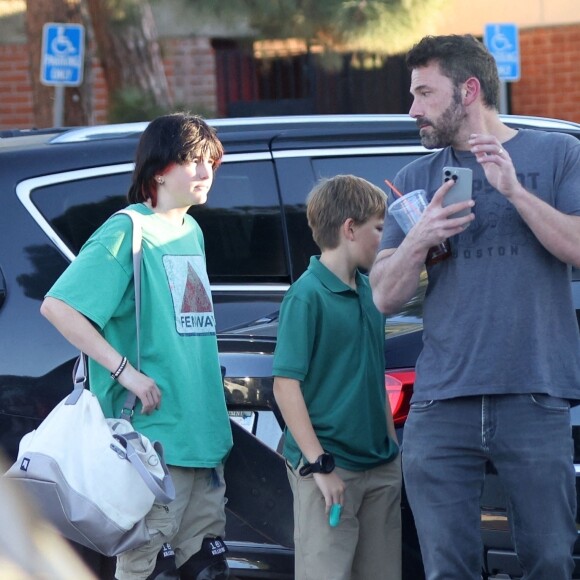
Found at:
[177, 334]
[331, 339]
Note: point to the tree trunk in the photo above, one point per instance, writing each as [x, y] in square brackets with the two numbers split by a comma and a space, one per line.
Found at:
[129, 53]
[78, 102]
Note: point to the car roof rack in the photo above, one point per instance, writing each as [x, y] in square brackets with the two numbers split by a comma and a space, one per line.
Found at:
[98, 132]
[9, 133]
[541, 122]
[116, 131]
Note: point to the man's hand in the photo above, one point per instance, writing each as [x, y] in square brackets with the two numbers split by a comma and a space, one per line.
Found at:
[496, 163]
[435, 225]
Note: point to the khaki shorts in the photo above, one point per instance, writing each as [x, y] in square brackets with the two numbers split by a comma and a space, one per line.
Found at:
[366, 543]
[198, 511]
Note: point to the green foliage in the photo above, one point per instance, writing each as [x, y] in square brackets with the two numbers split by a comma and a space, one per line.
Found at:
[383, 26]
[133, 105]
[123, 13]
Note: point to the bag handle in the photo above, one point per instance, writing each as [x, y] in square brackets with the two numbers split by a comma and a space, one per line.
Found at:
[162, 489]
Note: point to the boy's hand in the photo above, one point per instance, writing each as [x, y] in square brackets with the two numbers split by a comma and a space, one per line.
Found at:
[332, 488]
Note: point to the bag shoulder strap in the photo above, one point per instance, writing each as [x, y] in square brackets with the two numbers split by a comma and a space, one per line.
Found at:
[79, 371]
[137, 251]
[79, 379]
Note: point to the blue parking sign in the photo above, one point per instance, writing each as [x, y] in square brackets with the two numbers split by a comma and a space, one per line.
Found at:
[63, 49]
[502, 40]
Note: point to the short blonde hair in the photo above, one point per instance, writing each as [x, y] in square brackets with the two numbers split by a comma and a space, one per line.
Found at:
[332, 201]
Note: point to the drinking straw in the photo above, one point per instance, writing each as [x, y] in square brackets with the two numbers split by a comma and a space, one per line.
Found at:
[395, 190]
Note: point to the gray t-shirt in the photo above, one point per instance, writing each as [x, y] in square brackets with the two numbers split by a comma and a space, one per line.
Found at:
[498, 315]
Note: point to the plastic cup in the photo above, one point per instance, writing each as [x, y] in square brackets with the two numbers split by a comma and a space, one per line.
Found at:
[407, 211]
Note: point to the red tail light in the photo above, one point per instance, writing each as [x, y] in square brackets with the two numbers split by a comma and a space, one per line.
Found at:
[399, 385]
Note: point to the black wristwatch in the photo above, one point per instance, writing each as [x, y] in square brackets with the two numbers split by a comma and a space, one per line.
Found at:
[324, 464]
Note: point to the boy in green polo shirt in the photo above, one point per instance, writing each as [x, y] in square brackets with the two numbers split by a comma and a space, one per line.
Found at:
[340, 444]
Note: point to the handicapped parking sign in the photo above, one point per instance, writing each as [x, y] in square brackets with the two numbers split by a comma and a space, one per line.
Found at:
[62, 54]
[502, 40]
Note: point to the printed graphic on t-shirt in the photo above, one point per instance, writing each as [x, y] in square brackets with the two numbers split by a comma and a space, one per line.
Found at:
[191, 295]
[498, 230]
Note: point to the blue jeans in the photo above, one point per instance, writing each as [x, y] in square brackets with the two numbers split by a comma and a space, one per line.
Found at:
[528, 439]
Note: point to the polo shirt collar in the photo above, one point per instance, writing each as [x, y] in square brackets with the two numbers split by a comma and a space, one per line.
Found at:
[328, 279]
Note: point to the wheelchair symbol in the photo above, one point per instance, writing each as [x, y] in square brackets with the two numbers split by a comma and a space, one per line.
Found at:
[61, 44]
[500, 42]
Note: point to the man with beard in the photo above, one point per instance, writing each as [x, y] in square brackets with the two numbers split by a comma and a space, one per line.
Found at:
[494, 381]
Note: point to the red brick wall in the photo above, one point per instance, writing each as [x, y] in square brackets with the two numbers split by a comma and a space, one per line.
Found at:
[550, 79]
[100, 95]
[15, 89]
[191, 74]
[189, 65]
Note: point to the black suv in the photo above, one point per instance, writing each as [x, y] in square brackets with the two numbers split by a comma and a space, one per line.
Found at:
[58, 186]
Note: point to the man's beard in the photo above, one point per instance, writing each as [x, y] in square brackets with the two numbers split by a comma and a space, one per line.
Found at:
[444, 130]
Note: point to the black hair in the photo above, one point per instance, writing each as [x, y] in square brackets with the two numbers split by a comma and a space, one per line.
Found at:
[177, 138]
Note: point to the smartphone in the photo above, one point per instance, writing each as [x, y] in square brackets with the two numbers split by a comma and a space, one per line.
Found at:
[462, 189]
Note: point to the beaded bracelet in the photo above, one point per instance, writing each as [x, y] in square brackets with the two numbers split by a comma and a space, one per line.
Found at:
[116, 374]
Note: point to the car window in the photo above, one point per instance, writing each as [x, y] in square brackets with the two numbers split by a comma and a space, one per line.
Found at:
[374, 168]
[76, 208]
[242, 224]
[298, 174]
[241, 221]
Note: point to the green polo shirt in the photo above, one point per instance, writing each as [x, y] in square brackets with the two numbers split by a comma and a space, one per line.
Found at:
[331, 339]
